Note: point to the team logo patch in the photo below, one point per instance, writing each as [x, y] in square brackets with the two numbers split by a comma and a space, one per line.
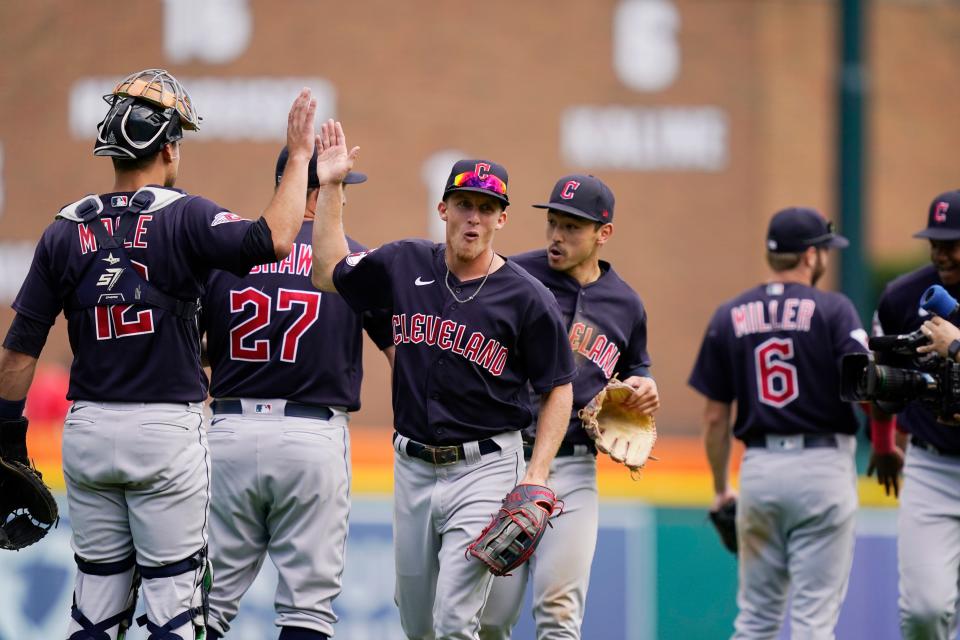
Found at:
[119, 201]
[224, 217]
[354, 258]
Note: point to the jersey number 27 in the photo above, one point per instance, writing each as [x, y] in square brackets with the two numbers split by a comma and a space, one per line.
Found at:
[777, 383]
[243, 348]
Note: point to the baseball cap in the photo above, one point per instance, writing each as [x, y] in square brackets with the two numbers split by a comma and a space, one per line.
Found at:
[943, 219]
[583, 196]
[353, 177]
[481, 176]
[795, 229]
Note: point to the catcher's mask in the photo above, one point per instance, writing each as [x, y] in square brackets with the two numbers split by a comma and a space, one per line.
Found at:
[148, 109]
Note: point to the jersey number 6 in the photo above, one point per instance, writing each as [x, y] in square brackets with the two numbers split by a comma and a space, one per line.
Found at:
[777, 383]
[241, 348]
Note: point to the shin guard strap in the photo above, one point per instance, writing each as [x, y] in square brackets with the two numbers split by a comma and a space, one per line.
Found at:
[165, 632]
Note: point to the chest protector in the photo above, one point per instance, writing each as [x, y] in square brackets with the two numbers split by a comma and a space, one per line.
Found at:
[110, 277]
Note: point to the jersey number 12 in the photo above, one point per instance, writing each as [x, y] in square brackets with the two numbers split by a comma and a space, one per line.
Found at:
[777, 383]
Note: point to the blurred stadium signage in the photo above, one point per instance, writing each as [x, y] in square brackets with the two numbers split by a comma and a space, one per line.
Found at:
[15, 259]
[212, 31]
[646, 59]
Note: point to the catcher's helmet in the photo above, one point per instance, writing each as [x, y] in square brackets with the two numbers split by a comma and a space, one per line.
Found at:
[148, 109]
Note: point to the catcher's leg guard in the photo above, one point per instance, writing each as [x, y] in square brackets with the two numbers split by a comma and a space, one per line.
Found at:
[105, 592]
[177, 594]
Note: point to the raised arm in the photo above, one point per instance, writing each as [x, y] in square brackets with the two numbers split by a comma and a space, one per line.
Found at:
[284, 214]
[334, 161]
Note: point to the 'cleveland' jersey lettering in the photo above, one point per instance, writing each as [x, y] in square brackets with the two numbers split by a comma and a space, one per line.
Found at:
[606, 329]
[598, 349]
[461, 370]
[450, 336]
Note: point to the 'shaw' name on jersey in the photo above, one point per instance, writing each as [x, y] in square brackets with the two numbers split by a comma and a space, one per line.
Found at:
[449, 336]
[298, 262]
[755, 317]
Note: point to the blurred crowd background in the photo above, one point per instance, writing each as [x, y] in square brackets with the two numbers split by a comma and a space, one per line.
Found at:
[704, 117]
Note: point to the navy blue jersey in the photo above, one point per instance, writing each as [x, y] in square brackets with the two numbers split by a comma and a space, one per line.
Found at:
[461, 370]
[135, 353]
[898, 311]
[776, 350]
[606, 325]
[273, 335]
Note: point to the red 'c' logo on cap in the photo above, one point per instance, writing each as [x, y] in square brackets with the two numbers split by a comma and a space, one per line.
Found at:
[940, 213]
[482, 169]
[567, 192]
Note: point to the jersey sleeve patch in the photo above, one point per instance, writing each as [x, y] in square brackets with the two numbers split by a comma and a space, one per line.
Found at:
[354, 259]
[224, 217]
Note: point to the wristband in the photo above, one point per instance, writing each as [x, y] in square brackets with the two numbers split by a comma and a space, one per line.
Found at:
[881, 434]
[11, 409]
[953, 349]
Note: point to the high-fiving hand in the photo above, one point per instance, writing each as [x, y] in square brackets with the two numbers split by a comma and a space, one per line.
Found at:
[334, 161]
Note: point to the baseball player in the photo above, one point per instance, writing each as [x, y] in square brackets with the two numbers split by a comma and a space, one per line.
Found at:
[928, 528]
[471, 330]
[127, 269]
[278, 439]
[607, 329]
[775, 350]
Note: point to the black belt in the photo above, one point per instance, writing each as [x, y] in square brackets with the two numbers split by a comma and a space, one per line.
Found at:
[444, 455]
[926, 446]
[566, 449]
[810, 441]
[291, 410]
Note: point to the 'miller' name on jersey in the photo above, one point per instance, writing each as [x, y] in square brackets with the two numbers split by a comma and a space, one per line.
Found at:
[449, 336]
[298, 262]
[755, 317]
[598, 350]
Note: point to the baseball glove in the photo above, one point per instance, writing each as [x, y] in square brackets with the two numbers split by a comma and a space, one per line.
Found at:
[515, 530]
[27, 508]
[625, 434]
[725, 521]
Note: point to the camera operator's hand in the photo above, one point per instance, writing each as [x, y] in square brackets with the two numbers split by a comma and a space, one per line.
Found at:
[888, 467]
[941, 333]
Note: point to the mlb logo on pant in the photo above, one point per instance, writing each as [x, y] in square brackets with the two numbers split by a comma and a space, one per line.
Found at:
[264, 408]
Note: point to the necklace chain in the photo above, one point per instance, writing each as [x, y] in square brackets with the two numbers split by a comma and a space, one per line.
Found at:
[446, 281]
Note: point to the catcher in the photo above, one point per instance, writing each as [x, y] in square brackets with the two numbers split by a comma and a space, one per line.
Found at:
[607, 326]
